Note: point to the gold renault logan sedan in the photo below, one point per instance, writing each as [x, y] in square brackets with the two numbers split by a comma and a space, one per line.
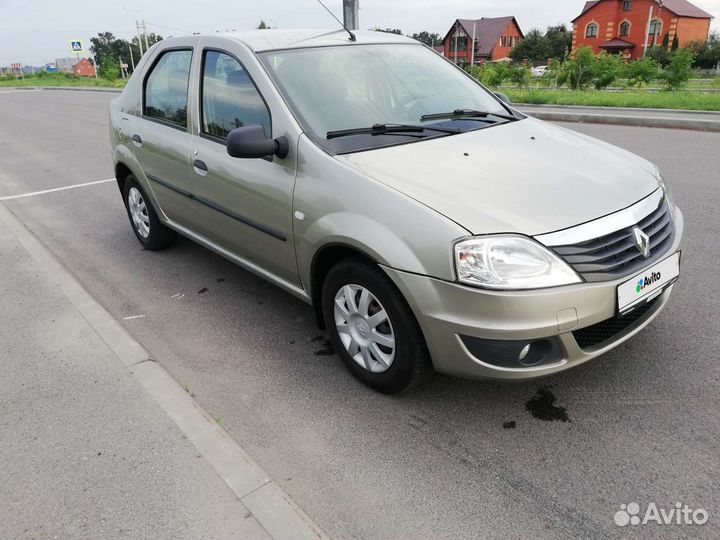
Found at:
[429, 223]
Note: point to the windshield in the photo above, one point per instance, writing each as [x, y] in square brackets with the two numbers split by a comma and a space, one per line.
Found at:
[331, 89]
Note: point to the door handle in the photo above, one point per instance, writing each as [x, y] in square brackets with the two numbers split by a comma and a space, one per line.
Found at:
[137, 139]
[200, 167]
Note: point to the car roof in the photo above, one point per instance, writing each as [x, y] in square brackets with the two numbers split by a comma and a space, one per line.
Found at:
[266, 40]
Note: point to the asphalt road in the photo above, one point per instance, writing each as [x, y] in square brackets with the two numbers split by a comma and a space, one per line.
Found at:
[440, 461]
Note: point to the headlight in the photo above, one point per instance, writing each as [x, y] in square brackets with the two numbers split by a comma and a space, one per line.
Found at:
[510, 262]
[666, 190]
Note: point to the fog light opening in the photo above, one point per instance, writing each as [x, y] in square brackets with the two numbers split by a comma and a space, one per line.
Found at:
[524, 352]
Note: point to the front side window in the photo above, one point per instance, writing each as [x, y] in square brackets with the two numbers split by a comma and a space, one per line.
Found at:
[229, 97]
[592, 31]
[627, 5]
[166, 88]
[625, 29]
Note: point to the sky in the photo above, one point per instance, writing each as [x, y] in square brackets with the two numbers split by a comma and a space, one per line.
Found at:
[34, 32]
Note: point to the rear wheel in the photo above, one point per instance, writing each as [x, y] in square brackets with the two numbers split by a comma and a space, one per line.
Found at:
[147, 227]
[372, 327]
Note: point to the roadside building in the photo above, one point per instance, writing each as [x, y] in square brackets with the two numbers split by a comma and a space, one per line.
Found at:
[628, 27]
[84, 68]
[494, 39]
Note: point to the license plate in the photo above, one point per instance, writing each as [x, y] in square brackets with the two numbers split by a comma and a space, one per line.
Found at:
[648, 284]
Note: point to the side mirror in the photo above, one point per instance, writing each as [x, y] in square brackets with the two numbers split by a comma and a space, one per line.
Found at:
[250, 142]
[502, 97]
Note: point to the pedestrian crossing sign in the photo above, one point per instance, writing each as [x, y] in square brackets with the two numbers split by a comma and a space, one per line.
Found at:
[76, 46]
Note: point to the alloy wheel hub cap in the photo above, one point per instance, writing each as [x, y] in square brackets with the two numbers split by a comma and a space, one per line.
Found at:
[364, 328]
[138, 212]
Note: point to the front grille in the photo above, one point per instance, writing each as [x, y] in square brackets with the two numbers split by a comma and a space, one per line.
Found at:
[615, 255]
[599, 333]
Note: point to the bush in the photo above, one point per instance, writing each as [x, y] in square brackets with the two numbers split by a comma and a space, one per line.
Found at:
[677, 74]
[642, 72]
[607, 69]
[520, 75]
[109, 70]
[579, 71]
[494, 74]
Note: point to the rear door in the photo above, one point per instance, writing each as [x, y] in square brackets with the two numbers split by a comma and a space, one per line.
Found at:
[160, 136]
[245, 205]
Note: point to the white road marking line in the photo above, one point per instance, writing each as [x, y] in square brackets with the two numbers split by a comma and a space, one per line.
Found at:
[73, 186]
[133, 317]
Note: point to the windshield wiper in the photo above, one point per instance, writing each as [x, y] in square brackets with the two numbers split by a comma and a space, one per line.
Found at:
[387, 129]
[465, 114]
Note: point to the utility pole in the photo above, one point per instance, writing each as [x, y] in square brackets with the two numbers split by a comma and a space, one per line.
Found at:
[457, 29]
[132, 60]
[145, 34]
[647, 31]
[351, 9]
[472, 54]
[137, 28]
[655, 36]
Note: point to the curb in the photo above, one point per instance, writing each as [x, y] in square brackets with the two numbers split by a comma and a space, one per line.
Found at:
[70, 88]
[655, 121]
[271, 506]
[552, 106]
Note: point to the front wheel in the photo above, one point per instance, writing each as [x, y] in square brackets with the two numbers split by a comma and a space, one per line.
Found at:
[372, 328]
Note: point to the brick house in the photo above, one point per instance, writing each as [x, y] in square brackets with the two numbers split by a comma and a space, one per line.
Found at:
[84, 68]
[494, 39]
[628, 27]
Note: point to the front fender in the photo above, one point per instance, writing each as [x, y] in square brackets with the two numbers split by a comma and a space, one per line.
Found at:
[360, 233]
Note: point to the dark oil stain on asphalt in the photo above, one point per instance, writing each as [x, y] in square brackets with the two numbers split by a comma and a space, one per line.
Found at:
[203, 290]
[317, 338]
[542, 406]
[221, 280]
[510, 425]
[327, 349]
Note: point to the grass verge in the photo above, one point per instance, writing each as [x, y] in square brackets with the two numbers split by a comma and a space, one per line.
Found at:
[644, 100]
[59, 79]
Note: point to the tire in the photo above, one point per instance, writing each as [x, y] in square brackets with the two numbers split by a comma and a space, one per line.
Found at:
[361, 343]
[152, 234]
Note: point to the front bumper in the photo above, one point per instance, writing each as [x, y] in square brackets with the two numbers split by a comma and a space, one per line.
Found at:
[446, 311]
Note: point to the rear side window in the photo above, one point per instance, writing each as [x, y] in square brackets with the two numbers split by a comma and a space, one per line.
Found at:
[166, 88]
[229, 97]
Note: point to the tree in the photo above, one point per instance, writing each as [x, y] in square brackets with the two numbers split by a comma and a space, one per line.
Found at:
[678, 72]
[559, 41]
[607, 69]
[707, 53]
[106, 47]
[642, 72]
[263, 26]
[579, 71]
[536, 46]
[533, 47]
[428, 38]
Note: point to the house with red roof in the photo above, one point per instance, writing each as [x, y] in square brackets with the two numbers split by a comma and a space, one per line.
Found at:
[630, 27]
[481, 40]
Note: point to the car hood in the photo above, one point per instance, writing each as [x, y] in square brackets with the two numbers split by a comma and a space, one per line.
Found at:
[528, 177]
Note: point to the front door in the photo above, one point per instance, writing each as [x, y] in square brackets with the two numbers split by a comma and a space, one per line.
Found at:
[245, 205]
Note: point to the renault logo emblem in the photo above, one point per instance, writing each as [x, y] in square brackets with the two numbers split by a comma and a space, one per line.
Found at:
[642, 242]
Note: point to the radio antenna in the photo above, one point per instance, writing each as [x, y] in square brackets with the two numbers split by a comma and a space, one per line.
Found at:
[352, 36]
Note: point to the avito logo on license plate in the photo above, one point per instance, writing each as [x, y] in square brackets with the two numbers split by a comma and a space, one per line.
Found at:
[653, 280]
